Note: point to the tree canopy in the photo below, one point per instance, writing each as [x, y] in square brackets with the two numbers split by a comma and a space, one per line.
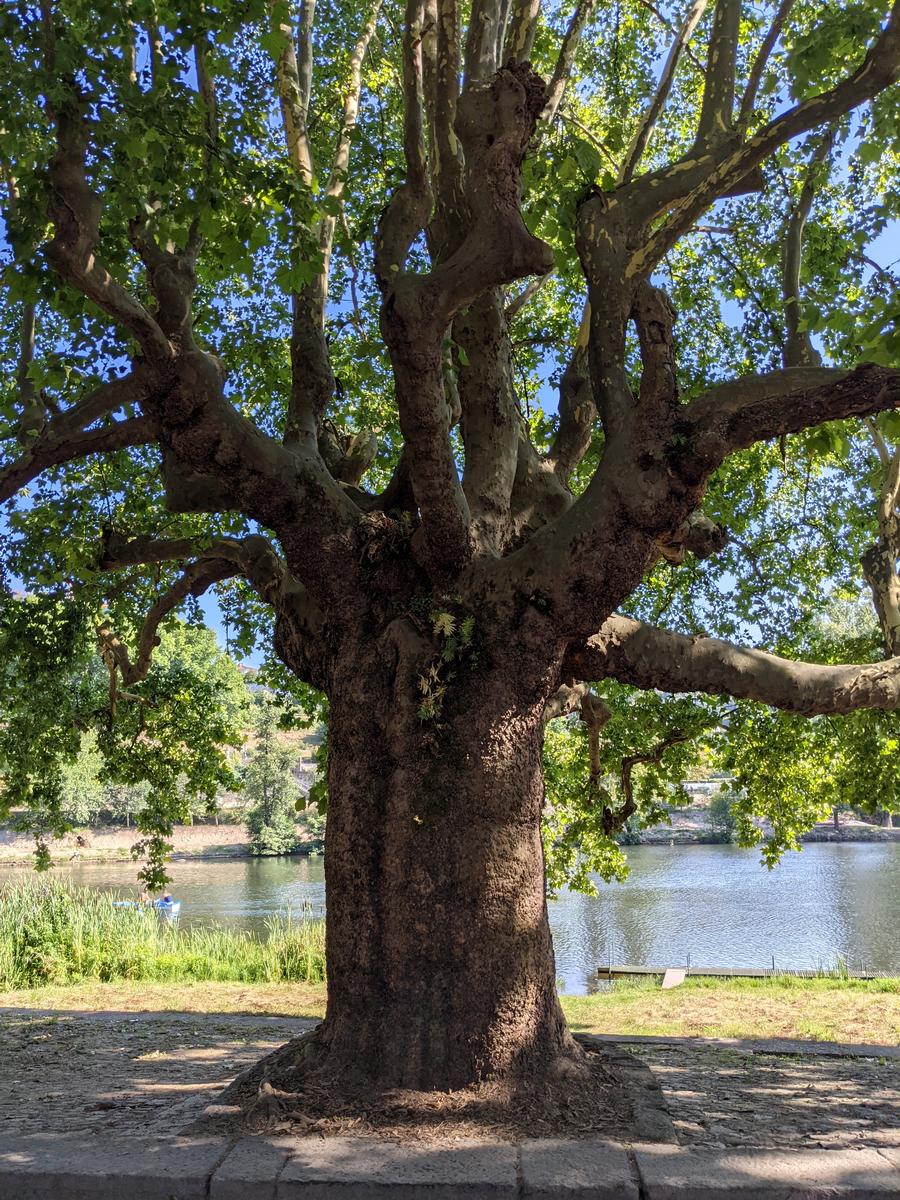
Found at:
[491, 362]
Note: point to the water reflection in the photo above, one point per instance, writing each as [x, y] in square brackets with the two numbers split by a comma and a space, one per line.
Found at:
[712, 905]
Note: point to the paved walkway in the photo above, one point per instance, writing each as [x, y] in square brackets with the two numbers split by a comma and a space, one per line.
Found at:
[152, 1073]
[89, 1103]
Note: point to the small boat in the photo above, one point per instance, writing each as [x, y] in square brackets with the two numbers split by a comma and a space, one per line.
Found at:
[168, 909]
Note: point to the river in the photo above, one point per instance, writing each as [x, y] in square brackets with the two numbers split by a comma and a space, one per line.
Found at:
[714, 905]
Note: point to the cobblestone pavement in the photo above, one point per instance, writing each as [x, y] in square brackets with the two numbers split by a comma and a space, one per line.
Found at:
[132, 1073]
[145, 1074]
[734, 1097]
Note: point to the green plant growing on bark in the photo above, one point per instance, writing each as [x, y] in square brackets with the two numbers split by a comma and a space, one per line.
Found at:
[454, 634]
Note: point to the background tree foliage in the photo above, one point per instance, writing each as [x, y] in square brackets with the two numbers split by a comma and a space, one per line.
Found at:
[270, 787]
[64, 746]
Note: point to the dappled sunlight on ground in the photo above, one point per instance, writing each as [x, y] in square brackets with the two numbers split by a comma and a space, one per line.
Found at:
[140, 1074]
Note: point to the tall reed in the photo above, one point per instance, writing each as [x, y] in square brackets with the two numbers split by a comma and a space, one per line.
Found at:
[54, 932]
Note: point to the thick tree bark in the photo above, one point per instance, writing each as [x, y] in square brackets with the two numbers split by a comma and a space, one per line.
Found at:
[440, 963]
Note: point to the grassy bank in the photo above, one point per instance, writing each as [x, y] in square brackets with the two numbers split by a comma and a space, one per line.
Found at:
[54, 933]
[826, 1009]
[816, 1010]
[72, 948]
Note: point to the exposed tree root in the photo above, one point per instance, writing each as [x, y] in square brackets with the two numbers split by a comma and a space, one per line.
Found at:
[294, 1090]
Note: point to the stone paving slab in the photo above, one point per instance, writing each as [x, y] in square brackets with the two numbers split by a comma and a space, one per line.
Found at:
[57, 1167]
[670, 1173]
[784, 1046]
[251, 1169]
[892, 1155]
[563, 1169]
[342, 1168]
[53, 1167]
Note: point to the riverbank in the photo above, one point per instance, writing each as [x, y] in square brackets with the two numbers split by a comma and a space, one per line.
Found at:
[113, 844]
[689, 827]
[231, 842]
[54, 933]
[838, 1010]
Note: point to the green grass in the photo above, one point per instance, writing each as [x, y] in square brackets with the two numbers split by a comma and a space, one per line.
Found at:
[54, 933]
[813, 1010]
[827, 1008]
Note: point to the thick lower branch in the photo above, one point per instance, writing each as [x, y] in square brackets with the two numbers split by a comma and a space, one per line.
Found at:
[734, 416]
[647, 657]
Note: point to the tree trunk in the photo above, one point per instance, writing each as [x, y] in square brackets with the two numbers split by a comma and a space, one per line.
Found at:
[440, 963]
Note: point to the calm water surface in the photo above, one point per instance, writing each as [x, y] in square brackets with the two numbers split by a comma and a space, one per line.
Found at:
[714, 904]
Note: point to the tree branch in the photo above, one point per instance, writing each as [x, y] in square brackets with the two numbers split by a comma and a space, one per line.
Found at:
[577, 410]
[485, 25]
[691, 185]
[748, 103]
[614, 820]
[298, 620]
[341, 161]
[312, 379]
[666, 79]
[196, 578]
[735, 415]
[717, 112]
[293, 81]
[74, 210]
[489, 418]
[879, 562]
[530, 290]
[647, 657]
[523, 23]
[566, 58]
[65, 438]
[447, 168]
[798, 350]
[408, 209]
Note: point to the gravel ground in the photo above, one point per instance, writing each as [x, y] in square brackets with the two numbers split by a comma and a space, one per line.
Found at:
[146, 1074]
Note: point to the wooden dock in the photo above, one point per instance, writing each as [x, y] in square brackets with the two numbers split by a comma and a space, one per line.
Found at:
[619, 971]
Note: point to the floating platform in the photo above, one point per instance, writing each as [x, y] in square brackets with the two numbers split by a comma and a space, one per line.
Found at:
[619, 971]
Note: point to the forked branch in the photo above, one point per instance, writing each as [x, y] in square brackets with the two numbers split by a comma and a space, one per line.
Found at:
[666, 79]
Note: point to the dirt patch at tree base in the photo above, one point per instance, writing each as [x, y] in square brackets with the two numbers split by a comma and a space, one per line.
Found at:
[615, 1096]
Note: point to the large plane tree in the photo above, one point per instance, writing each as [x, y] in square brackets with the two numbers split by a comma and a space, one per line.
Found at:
[285, 289]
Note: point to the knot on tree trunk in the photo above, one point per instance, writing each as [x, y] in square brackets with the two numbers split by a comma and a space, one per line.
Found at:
[494, 123]
[698, 534]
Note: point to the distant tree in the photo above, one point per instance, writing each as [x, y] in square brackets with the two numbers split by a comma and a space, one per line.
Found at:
[83, 793]
[272, 791]
[124, 802]
[166, 733]
[720, 818]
